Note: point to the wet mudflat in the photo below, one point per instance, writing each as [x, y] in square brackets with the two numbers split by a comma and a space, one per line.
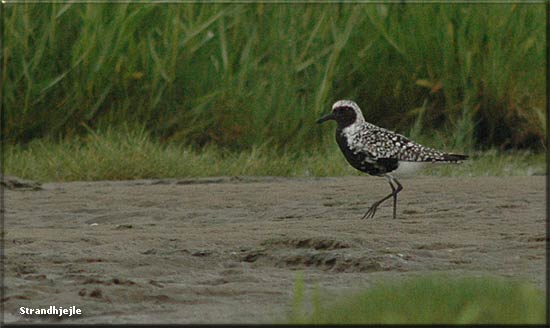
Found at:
[227, 249]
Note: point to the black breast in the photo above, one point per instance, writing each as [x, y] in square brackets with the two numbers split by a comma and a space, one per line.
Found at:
[381, 166]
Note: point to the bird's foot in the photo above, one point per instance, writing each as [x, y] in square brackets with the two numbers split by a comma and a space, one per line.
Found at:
[372, 210]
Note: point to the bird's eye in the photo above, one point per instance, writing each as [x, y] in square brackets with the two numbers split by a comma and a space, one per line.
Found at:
[341, 110]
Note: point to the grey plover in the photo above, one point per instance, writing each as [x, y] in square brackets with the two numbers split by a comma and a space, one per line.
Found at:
[377, 151]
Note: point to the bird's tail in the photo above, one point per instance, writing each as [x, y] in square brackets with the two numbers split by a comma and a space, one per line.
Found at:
[454, 157]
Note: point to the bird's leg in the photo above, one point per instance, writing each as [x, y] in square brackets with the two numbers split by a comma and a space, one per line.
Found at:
[395, 192]
[372, 210]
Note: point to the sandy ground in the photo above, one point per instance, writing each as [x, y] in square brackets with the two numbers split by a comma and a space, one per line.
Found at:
[228, 249]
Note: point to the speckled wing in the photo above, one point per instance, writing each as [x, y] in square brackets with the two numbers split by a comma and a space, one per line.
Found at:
[380, 143]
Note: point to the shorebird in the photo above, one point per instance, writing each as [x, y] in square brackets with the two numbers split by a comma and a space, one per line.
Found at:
[377, 151]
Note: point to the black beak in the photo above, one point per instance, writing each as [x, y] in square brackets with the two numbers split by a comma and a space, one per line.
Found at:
[325, 118]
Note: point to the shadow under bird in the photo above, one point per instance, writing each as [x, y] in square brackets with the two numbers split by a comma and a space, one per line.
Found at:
[377, 151]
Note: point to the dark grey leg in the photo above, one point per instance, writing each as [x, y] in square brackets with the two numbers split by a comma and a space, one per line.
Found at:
[396, 191]
[372, 210]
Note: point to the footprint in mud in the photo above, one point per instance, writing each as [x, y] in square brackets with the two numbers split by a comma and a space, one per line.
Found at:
[316, 252]
[537, 238]
[88, 260]
[410, 211]
[114, 281]
[252, 256]
[22, 241]
[286, 217]
[333, 203]
[314, 243]
[437, 246]
[327, 261]
[512, 206]
[123, 226]
[94, 293]
[331, 262]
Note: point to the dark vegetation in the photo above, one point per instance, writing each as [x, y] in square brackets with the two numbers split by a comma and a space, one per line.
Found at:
[239, 76]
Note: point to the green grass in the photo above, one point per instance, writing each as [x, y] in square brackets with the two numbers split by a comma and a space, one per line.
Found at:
[131, 153]
[239, 76]
[427, 300]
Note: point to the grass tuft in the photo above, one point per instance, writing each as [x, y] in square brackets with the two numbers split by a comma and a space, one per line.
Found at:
[129, 152]
[433, 300]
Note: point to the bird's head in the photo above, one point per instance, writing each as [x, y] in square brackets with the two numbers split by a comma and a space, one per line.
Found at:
[345, 113]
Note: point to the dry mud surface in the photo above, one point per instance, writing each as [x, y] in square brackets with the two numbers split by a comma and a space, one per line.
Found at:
[228, 249]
